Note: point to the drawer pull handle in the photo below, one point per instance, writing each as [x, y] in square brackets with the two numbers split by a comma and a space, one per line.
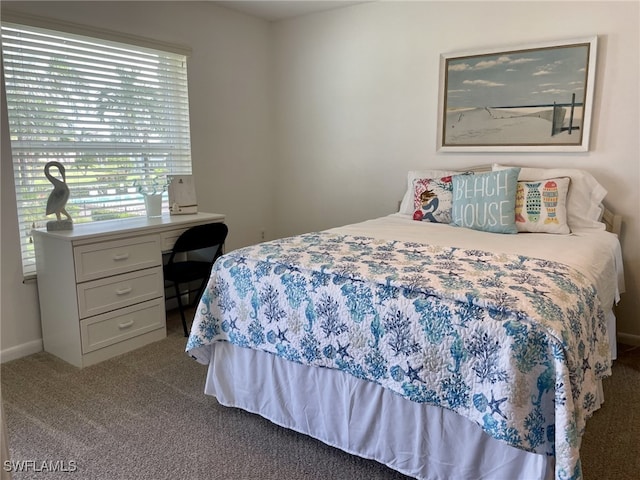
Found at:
[124, 325]
[120, 256]
[123, 291]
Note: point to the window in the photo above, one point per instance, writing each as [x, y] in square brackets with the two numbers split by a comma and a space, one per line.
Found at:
[116, 116]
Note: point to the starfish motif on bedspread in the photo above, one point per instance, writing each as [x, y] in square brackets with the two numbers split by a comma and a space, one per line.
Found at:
[494, 405]
[412, 373]
[342, 350]
[282, 335]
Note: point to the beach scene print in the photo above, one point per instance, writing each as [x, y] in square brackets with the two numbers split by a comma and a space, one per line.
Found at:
[524, 97]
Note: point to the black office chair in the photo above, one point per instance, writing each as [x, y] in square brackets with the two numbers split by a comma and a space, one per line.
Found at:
[199, 247]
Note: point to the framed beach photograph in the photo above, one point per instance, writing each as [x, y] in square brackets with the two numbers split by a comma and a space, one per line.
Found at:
[528, 98]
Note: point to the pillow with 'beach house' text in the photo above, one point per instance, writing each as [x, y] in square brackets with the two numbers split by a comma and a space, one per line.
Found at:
[486, 201]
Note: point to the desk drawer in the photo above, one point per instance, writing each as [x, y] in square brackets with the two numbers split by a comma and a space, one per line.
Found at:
[106, 294]
[110, 328]
[118, 256]
[168, 239]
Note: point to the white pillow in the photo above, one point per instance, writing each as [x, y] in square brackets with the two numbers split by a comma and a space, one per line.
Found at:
[406, 207]
[584, 200]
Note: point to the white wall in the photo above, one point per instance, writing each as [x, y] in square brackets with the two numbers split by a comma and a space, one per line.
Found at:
[229, 86]
[357, 97]
[20, 331]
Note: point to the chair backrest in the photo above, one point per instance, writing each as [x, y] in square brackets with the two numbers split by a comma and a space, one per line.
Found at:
[201, 237]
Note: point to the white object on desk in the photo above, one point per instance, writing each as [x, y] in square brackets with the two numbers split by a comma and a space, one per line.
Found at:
[101, 287]
[153, 204]
[182, 195]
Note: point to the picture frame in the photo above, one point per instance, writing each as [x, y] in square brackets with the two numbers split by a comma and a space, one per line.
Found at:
[530, 98]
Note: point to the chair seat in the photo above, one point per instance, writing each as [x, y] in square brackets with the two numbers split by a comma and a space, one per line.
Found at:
[187, 271]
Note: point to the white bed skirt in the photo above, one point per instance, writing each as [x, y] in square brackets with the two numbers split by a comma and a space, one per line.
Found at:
[364, 419]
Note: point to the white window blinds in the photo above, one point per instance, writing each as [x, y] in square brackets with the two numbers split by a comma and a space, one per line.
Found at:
[115, 116]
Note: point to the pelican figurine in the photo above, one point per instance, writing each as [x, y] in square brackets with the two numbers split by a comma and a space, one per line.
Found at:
[60, 194]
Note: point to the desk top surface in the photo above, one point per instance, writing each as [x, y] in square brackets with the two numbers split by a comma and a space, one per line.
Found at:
[131, 226]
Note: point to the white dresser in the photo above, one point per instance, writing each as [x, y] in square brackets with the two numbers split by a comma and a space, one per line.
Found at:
[100, 285]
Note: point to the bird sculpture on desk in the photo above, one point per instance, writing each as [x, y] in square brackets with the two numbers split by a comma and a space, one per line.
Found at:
[58, 198]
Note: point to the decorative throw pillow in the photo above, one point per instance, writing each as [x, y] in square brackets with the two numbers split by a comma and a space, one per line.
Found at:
[584, 200]
[541, 206]
[432, 199]
[486, 201]
[406, 206]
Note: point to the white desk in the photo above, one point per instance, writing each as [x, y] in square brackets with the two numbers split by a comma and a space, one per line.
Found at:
[100, 285]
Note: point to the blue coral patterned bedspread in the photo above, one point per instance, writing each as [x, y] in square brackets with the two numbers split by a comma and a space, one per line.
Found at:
[515, 344]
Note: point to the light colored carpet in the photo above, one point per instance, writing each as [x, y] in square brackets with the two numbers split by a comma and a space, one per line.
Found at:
[144, 415]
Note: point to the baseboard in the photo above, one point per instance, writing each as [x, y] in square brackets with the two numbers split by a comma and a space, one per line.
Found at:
[19, 351]
[628, 339]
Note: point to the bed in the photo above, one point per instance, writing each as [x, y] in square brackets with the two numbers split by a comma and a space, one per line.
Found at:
[438, 349]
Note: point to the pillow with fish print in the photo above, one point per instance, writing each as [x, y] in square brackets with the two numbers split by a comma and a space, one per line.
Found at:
[541, 206]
